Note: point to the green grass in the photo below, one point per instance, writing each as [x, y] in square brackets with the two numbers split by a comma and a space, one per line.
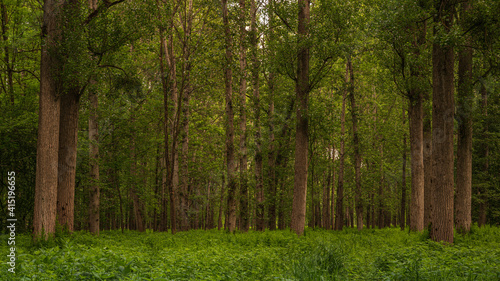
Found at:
[387, 254]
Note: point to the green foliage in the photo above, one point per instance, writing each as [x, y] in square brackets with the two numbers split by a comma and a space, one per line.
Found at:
[387, 254]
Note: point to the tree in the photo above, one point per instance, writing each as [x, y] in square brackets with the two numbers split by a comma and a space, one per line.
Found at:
[463, 218]
[356, 145]
[416, 114]
[339, 212]
[94, 214]
[442, 123]
[301, 133]
[259, 186]
[243, 121]
[230, 161]
[44, 218]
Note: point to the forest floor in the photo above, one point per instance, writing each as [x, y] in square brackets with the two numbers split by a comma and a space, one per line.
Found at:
[387, 254]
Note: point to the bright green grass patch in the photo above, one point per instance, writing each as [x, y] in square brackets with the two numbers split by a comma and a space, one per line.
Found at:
[387, 254]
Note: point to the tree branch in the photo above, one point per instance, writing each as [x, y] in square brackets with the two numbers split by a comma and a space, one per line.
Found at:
[106, 5]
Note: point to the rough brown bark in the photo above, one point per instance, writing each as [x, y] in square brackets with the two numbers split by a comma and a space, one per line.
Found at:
[44, 218]
[94, 165]
[301, 136]
[416, 116]
[464, 144]
[230, 161]
[442, 129]
[68, 136]
[339, 213]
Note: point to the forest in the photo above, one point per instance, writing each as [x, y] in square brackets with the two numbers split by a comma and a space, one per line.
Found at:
[250, 139]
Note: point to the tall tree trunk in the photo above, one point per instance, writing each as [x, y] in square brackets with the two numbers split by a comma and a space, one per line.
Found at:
[271, 178]
[7, 60]
[415, 110]
[185, 94]
[136, 203]
[244, 216]
[259, 186]
[326, 192]
[94, 165]
[381, 207]
[339, 214]
[332, 198]
[173, 163]
[357, 153]
[442, 128]
[402, 212]
[416, 115]
[428, 173]
[45, 209]
[230, 161]
[482, 195]
[221, 201]
[463, 218]
[301, 136]
[68, 136]
[272, 157]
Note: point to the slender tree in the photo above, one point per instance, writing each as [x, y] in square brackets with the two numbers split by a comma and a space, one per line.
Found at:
[244, 214]
[301, 133]
[416, 114]
[230, 161]
[464, 143]
[94, 215]
[259, 186]
[339, 213]
[356, 145]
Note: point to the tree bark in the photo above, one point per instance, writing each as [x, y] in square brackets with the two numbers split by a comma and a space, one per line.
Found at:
[463, 218]
[415, 110]
[442, 129]
[244, 215]
[428, 173]
[7, 59]
[136, 203]
[416, 116]
[230, 161]
[185, 94]
[402, 212]
[339, 213]
[45, 208]
[301, 136]
[68, 137]
[326, 192]
[94, 165]
[482, 195]
[259, 186]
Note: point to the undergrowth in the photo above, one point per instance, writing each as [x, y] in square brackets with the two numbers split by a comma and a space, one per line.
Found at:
[387, 254]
